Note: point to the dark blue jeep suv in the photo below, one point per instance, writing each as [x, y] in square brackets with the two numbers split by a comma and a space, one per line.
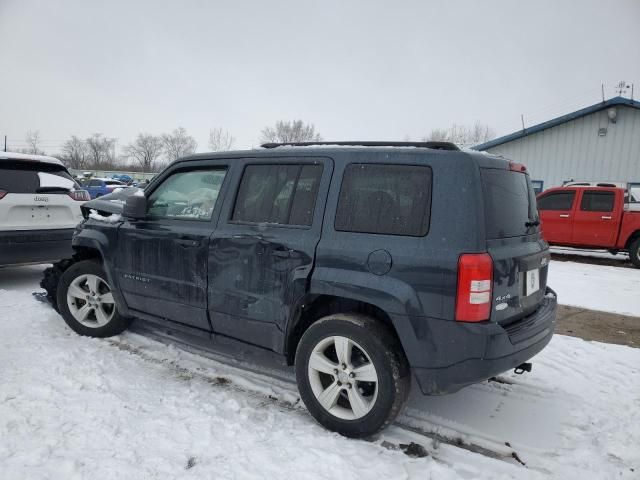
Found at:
[360, 262]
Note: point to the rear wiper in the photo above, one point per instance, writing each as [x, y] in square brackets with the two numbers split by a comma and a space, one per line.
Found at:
[535, 223]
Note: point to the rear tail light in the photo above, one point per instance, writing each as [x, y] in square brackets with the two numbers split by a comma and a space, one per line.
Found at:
[2, 194]
[475, 280]
[517, 167]
[79, 195]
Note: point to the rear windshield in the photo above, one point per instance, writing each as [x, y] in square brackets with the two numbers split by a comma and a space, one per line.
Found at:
[32, 177]
[509, 203]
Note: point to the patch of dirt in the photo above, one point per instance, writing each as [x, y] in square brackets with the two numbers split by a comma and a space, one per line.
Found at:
[598, 326]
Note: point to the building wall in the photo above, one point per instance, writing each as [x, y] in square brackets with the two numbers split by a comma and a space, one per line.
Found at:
[574, 150]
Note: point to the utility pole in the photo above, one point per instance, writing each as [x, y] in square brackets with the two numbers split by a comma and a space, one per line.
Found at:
[5, 143]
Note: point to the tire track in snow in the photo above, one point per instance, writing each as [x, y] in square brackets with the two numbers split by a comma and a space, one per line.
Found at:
[432, 440]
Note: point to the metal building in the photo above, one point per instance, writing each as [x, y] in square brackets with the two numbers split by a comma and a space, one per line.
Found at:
[600, 142]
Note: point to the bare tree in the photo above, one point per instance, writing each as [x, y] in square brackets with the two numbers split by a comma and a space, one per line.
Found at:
[74, 152]
[100, 151]
[145, 150]
[462, 134]
[438, 135]
[33, 141]
[291, 131]
[220, 140]
[178, 144]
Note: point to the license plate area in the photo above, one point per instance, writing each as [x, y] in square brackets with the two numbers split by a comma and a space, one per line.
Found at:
[531, 281]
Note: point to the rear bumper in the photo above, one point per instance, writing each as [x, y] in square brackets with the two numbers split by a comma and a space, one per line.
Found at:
[35, 246]
[488, 349]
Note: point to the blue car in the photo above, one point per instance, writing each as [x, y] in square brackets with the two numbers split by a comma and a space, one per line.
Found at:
[98, 187]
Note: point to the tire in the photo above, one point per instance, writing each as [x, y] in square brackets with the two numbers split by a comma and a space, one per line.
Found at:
[340, 402]
[75, 301]
[634, 252]
[51, 279]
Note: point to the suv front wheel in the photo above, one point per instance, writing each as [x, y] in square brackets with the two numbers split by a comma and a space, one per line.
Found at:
[352, 374]
[86, 301]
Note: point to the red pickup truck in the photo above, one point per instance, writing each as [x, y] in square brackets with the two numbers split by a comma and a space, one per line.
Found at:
[591, 217]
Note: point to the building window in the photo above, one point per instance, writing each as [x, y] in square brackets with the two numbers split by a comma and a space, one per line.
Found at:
[538, 186]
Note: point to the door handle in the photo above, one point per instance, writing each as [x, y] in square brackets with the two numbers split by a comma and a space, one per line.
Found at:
[564, 215]
[606, 217]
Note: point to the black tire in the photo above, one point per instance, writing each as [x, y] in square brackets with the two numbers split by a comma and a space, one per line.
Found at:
[116, 325]
[51, 279]
[634, 252]
[385, 353]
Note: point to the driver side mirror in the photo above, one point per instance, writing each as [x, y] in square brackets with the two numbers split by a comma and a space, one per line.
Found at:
[135, 207]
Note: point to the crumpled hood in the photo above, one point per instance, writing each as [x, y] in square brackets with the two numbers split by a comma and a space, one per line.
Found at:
[109, 204]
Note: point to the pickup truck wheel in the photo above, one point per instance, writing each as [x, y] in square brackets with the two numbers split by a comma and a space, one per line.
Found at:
[634, 252]
[86, 302]
[352, 374]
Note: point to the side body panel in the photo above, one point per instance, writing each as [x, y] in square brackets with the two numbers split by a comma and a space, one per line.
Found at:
[420, 283]
[161, 263]
[597, 228]
[557, 225]
[629, 228]
[258, 272]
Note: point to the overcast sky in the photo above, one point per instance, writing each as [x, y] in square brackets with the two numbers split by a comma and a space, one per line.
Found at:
[356, 69]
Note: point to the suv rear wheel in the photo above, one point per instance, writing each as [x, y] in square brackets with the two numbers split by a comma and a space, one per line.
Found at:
[352, 374]
[86, 302]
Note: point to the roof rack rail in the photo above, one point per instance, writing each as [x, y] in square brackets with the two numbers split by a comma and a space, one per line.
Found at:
[433, 145]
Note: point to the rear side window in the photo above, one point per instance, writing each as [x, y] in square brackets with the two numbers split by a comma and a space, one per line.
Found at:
[31, 177]
[278, 194]
[597, 201]
[385, 199]
[556, 201]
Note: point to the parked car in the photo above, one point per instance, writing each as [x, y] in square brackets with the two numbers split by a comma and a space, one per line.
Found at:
[360, 264]
[591, 217]
[39, 208]
[98, 187]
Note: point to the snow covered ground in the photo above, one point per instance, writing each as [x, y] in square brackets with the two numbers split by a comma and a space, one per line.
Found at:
[596, 287]
[131, 407]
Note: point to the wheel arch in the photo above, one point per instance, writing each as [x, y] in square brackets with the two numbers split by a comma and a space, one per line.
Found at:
[313, 307]
[632, 238]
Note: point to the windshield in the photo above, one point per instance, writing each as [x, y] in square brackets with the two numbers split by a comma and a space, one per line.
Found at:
[509, 203]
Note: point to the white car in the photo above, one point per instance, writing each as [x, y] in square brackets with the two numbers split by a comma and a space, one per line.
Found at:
[39, 209]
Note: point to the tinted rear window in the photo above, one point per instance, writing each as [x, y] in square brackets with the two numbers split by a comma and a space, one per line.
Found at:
[385, 199]
[597, 201]
[22, 177]
[509, 203]
[280, 194]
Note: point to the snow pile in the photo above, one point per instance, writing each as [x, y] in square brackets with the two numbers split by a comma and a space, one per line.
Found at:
[597, 287]
[113, 218]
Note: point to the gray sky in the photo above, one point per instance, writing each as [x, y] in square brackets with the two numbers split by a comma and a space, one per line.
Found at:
[366, 70]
